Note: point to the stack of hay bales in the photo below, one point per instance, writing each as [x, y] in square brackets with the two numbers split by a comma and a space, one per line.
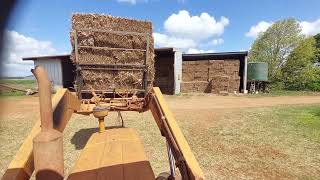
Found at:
[216, 68]
[219, 83]
[164, 75]
[231, 69]
[99, 79]
[195, 76]
[195, 86]
[224, 75]
[210, 76]
[195, 71]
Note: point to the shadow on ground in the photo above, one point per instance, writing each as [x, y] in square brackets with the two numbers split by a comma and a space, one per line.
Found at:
[80, 138]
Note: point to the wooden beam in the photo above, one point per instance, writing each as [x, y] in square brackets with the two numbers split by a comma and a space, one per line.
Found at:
[64, 103]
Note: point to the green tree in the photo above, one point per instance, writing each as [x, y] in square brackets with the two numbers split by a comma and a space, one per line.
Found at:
[299, 72]
[317, 38]
[275, 45]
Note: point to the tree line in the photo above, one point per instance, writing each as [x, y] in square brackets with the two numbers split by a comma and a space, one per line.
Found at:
[293, 58]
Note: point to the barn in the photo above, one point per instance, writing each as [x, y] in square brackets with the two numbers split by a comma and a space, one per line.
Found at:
[214, 72]
[59, 67]
[202, 72]
[175, 72]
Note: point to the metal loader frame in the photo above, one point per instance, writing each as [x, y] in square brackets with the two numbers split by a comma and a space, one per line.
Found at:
[110, 67]
[65, 103]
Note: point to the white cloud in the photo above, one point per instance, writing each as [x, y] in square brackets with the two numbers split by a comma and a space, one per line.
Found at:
[307, 28]
[310, 28]
[194, 27]
[128, 1]
[261, 27]
[18, 46]
[191, 33]
[195, 51]
[216, 42]
[162, 40]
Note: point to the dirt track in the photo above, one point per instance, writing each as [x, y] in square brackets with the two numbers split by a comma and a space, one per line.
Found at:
[231, 102]
[30, 104]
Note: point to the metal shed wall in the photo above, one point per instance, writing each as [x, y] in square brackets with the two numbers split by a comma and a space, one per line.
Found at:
[54, 69]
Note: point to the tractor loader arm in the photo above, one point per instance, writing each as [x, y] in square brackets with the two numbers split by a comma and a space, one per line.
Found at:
[64, 104]
[184, 158]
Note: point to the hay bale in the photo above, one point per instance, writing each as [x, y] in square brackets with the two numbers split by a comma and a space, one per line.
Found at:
[218, 75]
[98, 39]
[100, 21]
[194, 86]
[101, 80]
[109, 80]
[104, 56]
[220, 83]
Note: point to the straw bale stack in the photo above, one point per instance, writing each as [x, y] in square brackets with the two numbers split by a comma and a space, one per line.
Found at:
[119, 79]
[220, 83]
[195, 86]
[219, 75]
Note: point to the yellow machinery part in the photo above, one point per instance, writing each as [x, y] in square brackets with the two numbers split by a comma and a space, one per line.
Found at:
[64, 104]
[193, 168]
[114, 154]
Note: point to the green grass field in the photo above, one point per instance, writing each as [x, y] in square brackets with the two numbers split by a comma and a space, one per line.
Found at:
[18, 83]
[305, 119]
[285, 93]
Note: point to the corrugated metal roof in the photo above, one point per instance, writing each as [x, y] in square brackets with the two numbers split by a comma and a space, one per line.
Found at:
[53, 57]
[165, 49]
[198, 56]
[56, 57]
[213, 56]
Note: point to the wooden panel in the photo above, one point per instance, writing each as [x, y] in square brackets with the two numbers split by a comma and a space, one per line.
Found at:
[114, 154]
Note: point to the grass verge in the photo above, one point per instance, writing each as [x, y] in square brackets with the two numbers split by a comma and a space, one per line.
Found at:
[285, 93]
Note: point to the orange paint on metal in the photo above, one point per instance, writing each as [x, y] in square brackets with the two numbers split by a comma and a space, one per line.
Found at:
[194, 169]
[64, 103]
[114, 154]
[102, 127]
[48, 144]
[48, 155]
[44, 85]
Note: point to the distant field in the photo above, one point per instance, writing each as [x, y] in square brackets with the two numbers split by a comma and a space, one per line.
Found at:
[21, 83]
[17, 83]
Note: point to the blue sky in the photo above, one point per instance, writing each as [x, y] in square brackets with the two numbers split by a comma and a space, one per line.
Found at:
[46, 24]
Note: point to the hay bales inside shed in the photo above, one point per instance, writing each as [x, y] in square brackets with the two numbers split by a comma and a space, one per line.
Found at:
[210, 76]
[126, 47]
